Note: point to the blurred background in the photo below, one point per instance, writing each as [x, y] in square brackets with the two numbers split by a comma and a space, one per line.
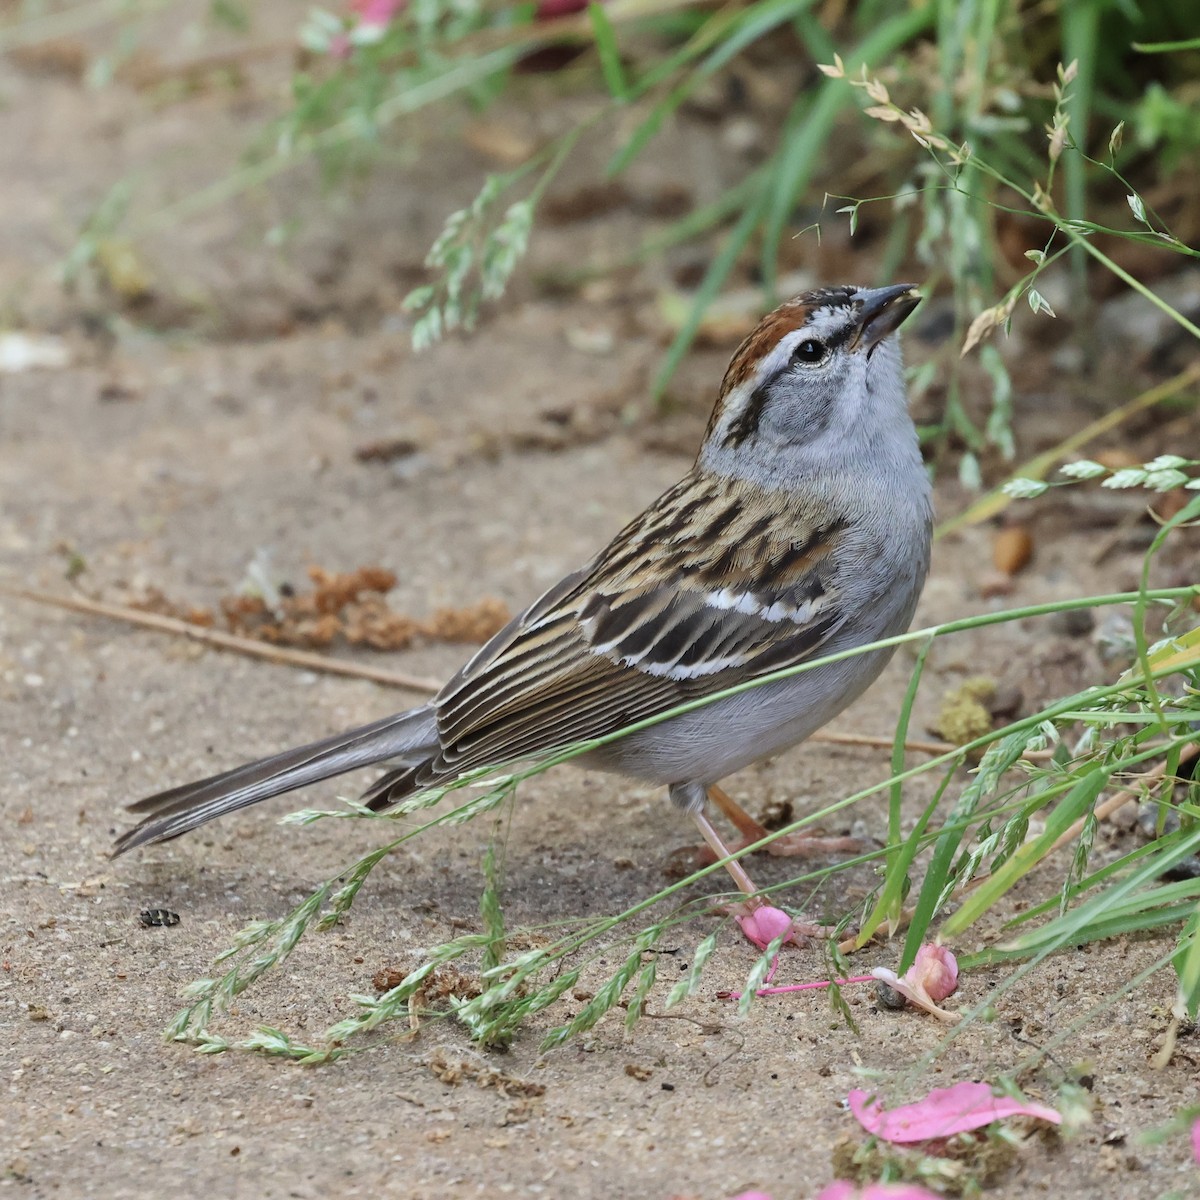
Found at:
[246, 172]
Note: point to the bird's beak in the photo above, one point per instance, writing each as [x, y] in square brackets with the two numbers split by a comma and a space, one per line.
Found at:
[882, 311]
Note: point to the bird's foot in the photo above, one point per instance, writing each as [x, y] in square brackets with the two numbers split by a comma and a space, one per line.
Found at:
[762, 923]
[790, 845]
[811, 845]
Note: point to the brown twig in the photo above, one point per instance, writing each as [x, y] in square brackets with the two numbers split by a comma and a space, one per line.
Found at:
[352, 670]
[878, 743]
[226, 641]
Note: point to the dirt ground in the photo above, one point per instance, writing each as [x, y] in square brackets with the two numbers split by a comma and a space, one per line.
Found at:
[220, 415]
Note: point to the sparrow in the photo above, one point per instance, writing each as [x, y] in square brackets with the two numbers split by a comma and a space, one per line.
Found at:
[803, 529]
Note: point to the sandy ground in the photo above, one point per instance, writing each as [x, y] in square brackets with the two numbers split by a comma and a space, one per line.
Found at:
[223, 418]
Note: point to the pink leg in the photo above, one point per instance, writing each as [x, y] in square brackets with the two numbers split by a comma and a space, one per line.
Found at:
[758, 917]
[720, 850]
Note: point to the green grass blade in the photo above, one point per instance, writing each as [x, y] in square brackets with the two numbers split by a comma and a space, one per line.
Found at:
[751, 25]
[900, 852]
[1167, 47]
[690, 983]
[1136, 902]
[811, 125]
[1119, 867]
[1077, 802]
[610, 56]
[998, 759]
[490, 909]
[896, 794]
[714, 277]
[891, 896]
[1187, 966]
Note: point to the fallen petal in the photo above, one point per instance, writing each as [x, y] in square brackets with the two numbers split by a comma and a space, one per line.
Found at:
[763, 925]
[935, 970]
[945, 1111]
[377, 12]
[912, 992]
[1196, 1140]
[876, 1191]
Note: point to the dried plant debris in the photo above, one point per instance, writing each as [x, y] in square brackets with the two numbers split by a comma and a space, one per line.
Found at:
[961, 1166]
[386, 450]
[349, 608]
[156, 601]
[966, 711]
[453, 1073]
[441, 984]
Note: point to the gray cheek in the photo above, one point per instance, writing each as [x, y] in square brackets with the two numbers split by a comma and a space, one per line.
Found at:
[803, 406]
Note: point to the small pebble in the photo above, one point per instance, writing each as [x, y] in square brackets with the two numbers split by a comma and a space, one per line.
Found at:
[1147, 821]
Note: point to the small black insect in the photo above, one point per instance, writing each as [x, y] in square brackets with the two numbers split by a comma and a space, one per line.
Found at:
[158, 916]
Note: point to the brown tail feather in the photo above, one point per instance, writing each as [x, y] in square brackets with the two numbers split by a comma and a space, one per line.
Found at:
[411, 736]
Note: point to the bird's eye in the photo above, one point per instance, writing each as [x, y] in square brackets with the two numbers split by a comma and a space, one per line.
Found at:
[809, 351]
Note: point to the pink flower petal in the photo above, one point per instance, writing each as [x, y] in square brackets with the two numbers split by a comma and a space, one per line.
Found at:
[876, 1191]
[914, 994]
[764, 924]
[935, 969]
[1196, 1140]
[932, 977]
[943, 1112]
[377, 12]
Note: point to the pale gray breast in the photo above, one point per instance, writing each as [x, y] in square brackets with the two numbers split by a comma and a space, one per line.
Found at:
[879, 575]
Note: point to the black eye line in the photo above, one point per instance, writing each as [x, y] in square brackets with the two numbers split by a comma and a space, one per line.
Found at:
[746, 423]
[832, 343]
